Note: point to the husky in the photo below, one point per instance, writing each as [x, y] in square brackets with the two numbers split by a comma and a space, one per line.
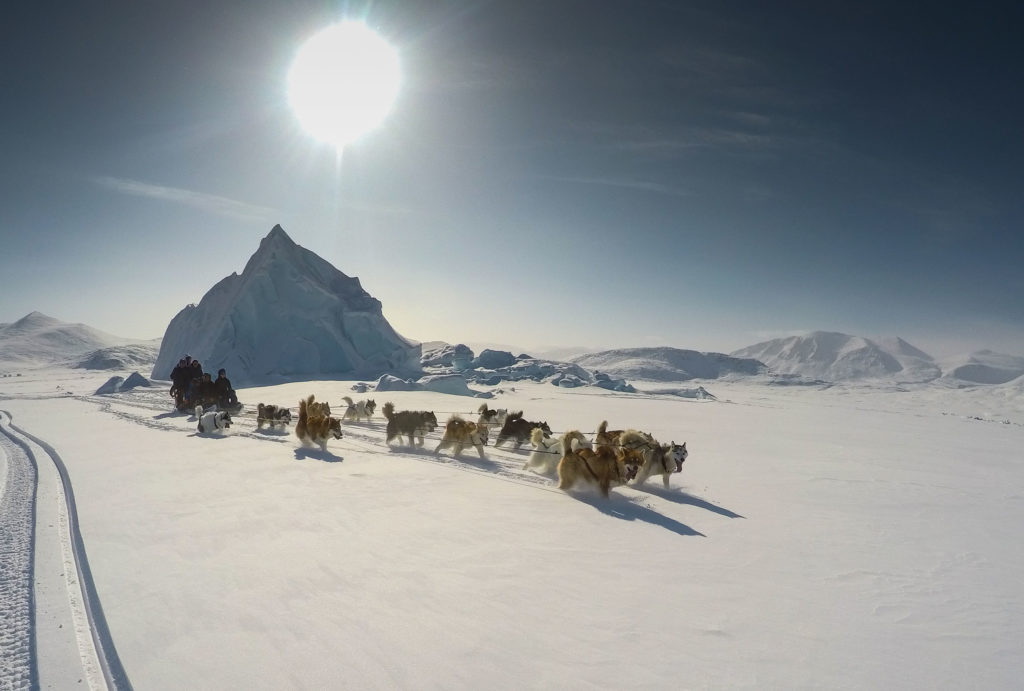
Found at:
[315, 427]
[272, 415]
[213, 421]
[355, 412]
[518, 430]
[656, 458]
[460, 434]
[603, 467]
[492, 417]
[314, 407]
[606, 438]
[415, 424]
[547, 451]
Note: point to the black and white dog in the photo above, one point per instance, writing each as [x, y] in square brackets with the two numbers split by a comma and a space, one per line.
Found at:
[214, 421]
[272, 415]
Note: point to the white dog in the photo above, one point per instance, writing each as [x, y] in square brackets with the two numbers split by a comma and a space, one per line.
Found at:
[214, 421]
[547, 451]
[355, 412]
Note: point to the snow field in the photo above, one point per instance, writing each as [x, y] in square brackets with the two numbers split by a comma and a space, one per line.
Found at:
[840, 539]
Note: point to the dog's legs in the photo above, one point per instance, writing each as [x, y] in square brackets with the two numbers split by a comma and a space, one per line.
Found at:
[480, 450]
[665, 476]
[442, 445]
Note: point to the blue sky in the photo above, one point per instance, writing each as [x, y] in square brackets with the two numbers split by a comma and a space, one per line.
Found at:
[697, 174]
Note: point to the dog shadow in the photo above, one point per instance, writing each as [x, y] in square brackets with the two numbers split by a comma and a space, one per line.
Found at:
[271, 432]
[211, 435]
[171, 413]
[626, 510]
[678, 496]
[303, 453]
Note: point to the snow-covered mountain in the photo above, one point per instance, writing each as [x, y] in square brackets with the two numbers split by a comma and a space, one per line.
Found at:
[840, 357]
[37, 339]
[289, 315]
[984, 367]
[668, 364]
[131, 356]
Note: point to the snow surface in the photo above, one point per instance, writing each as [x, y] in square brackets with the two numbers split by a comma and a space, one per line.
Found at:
[839, 538]
[289, 315]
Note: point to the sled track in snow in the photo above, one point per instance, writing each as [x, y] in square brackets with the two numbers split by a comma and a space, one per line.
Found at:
[13, 437]
[18, 669]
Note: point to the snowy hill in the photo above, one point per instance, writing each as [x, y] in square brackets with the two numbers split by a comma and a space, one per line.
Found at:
[668, 364]
[984, 367]
[289, 315]
[131, 356]
[839, 357]
[37, 339]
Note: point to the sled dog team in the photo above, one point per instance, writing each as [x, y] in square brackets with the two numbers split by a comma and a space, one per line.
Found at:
[616, 457]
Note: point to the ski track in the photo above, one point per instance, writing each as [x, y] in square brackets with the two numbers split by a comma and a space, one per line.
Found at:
[100, 665]
[18, 668]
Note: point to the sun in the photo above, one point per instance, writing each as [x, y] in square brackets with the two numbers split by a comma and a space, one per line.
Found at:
[343, 82]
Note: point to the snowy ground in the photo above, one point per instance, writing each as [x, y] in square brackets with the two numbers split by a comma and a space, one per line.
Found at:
[845, 538]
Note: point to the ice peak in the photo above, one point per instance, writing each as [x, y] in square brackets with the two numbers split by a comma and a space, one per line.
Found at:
[277, 237]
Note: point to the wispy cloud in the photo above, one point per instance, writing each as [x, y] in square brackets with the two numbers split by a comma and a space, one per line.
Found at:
[210, 203]
[640, 185]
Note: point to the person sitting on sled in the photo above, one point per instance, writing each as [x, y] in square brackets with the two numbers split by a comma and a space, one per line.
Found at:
[225, 394]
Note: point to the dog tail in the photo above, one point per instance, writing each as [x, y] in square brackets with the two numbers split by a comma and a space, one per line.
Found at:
[304, 408]
[515, 416]
[537, 437]
[388, 410]
[198, 411]
[348, 401]
[568, 439]
[482, 409]
[602, 429]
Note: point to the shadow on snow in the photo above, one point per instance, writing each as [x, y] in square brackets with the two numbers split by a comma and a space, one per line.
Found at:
[680, 497]
[626, 510]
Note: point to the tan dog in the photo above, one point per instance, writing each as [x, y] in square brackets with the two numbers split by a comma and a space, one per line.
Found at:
[603, 467]
[315, 407]
[460, 434]
[316, 428]
[606, 437]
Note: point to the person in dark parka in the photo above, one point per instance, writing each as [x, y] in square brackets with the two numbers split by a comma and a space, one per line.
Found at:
[225, 394]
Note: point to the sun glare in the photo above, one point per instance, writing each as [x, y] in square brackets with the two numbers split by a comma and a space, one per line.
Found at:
[343, 82]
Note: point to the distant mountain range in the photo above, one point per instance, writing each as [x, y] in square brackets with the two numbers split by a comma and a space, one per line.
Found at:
[669, 364]
[836, 357]
[37, 339]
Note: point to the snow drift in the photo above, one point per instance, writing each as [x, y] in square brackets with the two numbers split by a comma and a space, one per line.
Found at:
[289, 315]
